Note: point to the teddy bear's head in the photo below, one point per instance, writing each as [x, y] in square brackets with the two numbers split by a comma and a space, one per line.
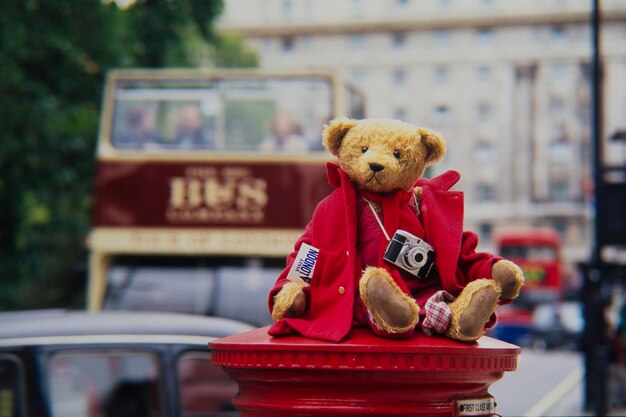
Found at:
[382, 155]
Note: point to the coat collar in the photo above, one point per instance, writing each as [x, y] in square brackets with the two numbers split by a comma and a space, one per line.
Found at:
[337, 177]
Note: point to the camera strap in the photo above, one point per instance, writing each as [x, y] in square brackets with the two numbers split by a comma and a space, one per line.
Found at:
[380, 223]
[378, 220]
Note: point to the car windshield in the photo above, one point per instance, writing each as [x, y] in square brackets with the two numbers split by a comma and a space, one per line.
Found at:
[10, 386]
[205, 389]
[104, 384]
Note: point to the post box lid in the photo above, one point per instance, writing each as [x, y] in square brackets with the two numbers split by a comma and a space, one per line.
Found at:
[363, 350]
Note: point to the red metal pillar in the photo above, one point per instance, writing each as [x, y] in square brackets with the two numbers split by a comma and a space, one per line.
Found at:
[363, 375]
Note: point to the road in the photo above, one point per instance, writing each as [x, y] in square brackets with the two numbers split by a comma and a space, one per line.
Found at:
[545, 384]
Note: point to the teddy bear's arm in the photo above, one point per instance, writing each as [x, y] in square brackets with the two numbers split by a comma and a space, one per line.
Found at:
[474, 265]
[291, 293]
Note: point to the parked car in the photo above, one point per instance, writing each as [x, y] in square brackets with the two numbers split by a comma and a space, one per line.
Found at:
[79, 364]
[558, 326]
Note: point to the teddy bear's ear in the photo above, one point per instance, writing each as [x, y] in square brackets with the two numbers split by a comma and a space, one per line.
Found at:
[334, 133]
[435, 145]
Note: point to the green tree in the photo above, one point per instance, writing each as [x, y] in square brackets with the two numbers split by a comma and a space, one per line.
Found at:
[54, 56]
[229, 50]
[160, 28]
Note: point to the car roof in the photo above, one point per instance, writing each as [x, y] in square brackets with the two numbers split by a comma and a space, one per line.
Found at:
[52, 323]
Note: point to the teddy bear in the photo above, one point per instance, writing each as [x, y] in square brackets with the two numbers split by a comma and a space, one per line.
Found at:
[386, 248]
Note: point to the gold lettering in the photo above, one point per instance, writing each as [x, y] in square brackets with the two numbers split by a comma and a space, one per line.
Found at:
[194, 193]
[217, 194]
[177, 192]
[252, 194]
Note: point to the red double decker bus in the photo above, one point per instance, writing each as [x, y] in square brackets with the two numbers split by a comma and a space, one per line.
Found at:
[538, 252]
[205, 180]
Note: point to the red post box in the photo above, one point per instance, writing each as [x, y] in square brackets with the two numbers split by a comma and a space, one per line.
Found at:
[364, 375]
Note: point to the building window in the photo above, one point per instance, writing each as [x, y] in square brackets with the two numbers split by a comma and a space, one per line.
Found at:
[402, 3]
[441, 38]
[484, 154]
[287, 7]
[287, 44]
[558, 34]
[357, 42]
[485, 232]
[399, 77]
[445, 3]
[484, 37]
[561, 151]
[559, 190]
[441, 75]
[487, 2]
[442, 115]
[538, 34]
[358, 76]
[484, 74]
[558, 70]
[398, 40]
[484, 112]
[485, 192]
[399, 114]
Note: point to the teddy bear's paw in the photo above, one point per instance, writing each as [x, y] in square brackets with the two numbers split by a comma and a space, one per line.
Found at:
[290, 301]
[509, 278]
[391, 309]
[472, 309]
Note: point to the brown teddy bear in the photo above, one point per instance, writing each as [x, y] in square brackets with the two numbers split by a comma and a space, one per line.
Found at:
[386, 248]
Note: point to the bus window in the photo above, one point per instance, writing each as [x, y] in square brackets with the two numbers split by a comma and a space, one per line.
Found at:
[104, 384]
[205, 389]
[276, 114]
[165, 117]
[529, 253]
[356, 103]
[10, 387]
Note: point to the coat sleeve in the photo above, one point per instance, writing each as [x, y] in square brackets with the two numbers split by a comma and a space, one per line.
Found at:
[282, 278]
[474, 265]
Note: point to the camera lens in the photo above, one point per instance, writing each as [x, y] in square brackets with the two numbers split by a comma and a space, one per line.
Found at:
[416, 258]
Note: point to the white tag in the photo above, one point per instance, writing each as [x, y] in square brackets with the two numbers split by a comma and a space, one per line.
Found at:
[476, 407]
[304, 264]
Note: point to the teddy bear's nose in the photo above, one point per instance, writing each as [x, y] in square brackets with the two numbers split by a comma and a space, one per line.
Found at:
[376, 167]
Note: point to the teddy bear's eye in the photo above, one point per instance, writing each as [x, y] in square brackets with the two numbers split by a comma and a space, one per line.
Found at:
[396, 154]
[364, 149]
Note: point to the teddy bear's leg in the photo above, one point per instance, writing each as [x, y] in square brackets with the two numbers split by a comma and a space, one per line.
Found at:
[391, 309]
[472, 309]
[509, 278]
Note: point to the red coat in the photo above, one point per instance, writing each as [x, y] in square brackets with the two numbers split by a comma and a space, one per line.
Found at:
[333, 230]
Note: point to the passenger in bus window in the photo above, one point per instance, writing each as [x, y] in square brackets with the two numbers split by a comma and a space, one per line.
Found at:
[140, 131]
[285, 135]
[191, 132]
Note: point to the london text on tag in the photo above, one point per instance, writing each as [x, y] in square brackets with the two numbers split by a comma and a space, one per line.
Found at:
[304, 264]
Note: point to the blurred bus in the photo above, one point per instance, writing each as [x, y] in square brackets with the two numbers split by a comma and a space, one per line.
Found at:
[205, 180]
[538, 252]
[534, 318]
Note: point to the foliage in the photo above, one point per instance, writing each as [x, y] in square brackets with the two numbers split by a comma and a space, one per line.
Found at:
[229, 50]
[54, 56]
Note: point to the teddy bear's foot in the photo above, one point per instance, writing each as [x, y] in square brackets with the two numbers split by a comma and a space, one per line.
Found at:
[509, 278]
[391, 309]
[472, 309]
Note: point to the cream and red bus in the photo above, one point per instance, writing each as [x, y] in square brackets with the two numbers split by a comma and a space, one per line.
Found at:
[205, 179]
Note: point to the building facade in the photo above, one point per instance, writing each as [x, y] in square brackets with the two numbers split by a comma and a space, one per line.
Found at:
[506, 83]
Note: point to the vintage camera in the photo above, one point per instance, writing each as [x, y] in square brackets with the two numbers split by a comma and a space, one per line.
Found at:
[411, 254]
